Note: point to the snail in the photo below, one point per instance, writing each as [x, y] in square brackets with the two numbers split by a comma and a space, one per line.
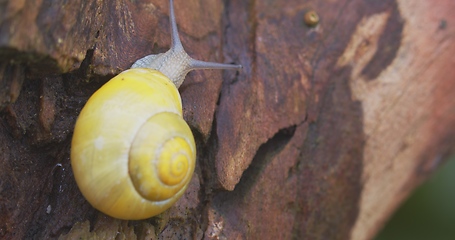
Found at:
[132, 153]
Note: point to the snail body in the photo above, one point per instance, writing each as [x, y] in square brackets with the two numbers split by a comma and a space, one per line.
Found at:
[132, 153]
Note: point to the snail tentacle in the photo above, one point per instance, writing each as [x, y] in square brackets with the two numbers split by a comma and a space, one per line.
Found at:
[176, 63]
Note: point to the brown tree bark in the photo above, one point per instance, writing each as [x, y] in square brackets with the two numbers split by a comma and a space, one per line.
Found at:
[321, 135]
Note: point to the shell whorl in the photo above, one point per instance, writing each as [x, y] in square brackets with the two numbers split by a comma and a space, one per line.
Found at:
[162, 157]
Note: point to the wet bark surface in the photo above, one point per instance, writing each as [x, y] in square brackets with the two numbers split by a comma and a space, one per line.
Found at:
[325, 130]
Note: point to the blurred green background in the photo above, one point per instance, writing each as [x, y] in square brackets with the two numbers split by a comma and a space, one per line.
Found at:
[430, 211]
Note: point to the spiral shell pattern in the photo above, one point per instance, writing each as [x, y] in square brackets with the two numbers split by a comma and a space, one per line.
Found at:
[132, 153]
[161, 157]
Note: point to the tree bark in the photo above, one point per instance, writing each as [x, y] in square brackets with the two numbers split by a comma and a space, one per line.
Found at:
[321, 135]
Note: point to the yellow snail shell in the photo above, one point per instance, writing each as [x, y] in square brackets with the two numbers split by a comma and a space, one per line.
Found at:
[132, 153]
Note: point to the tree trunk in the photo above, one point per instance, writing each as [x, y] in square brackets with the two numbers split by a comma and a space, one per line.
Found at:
[325, 130]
